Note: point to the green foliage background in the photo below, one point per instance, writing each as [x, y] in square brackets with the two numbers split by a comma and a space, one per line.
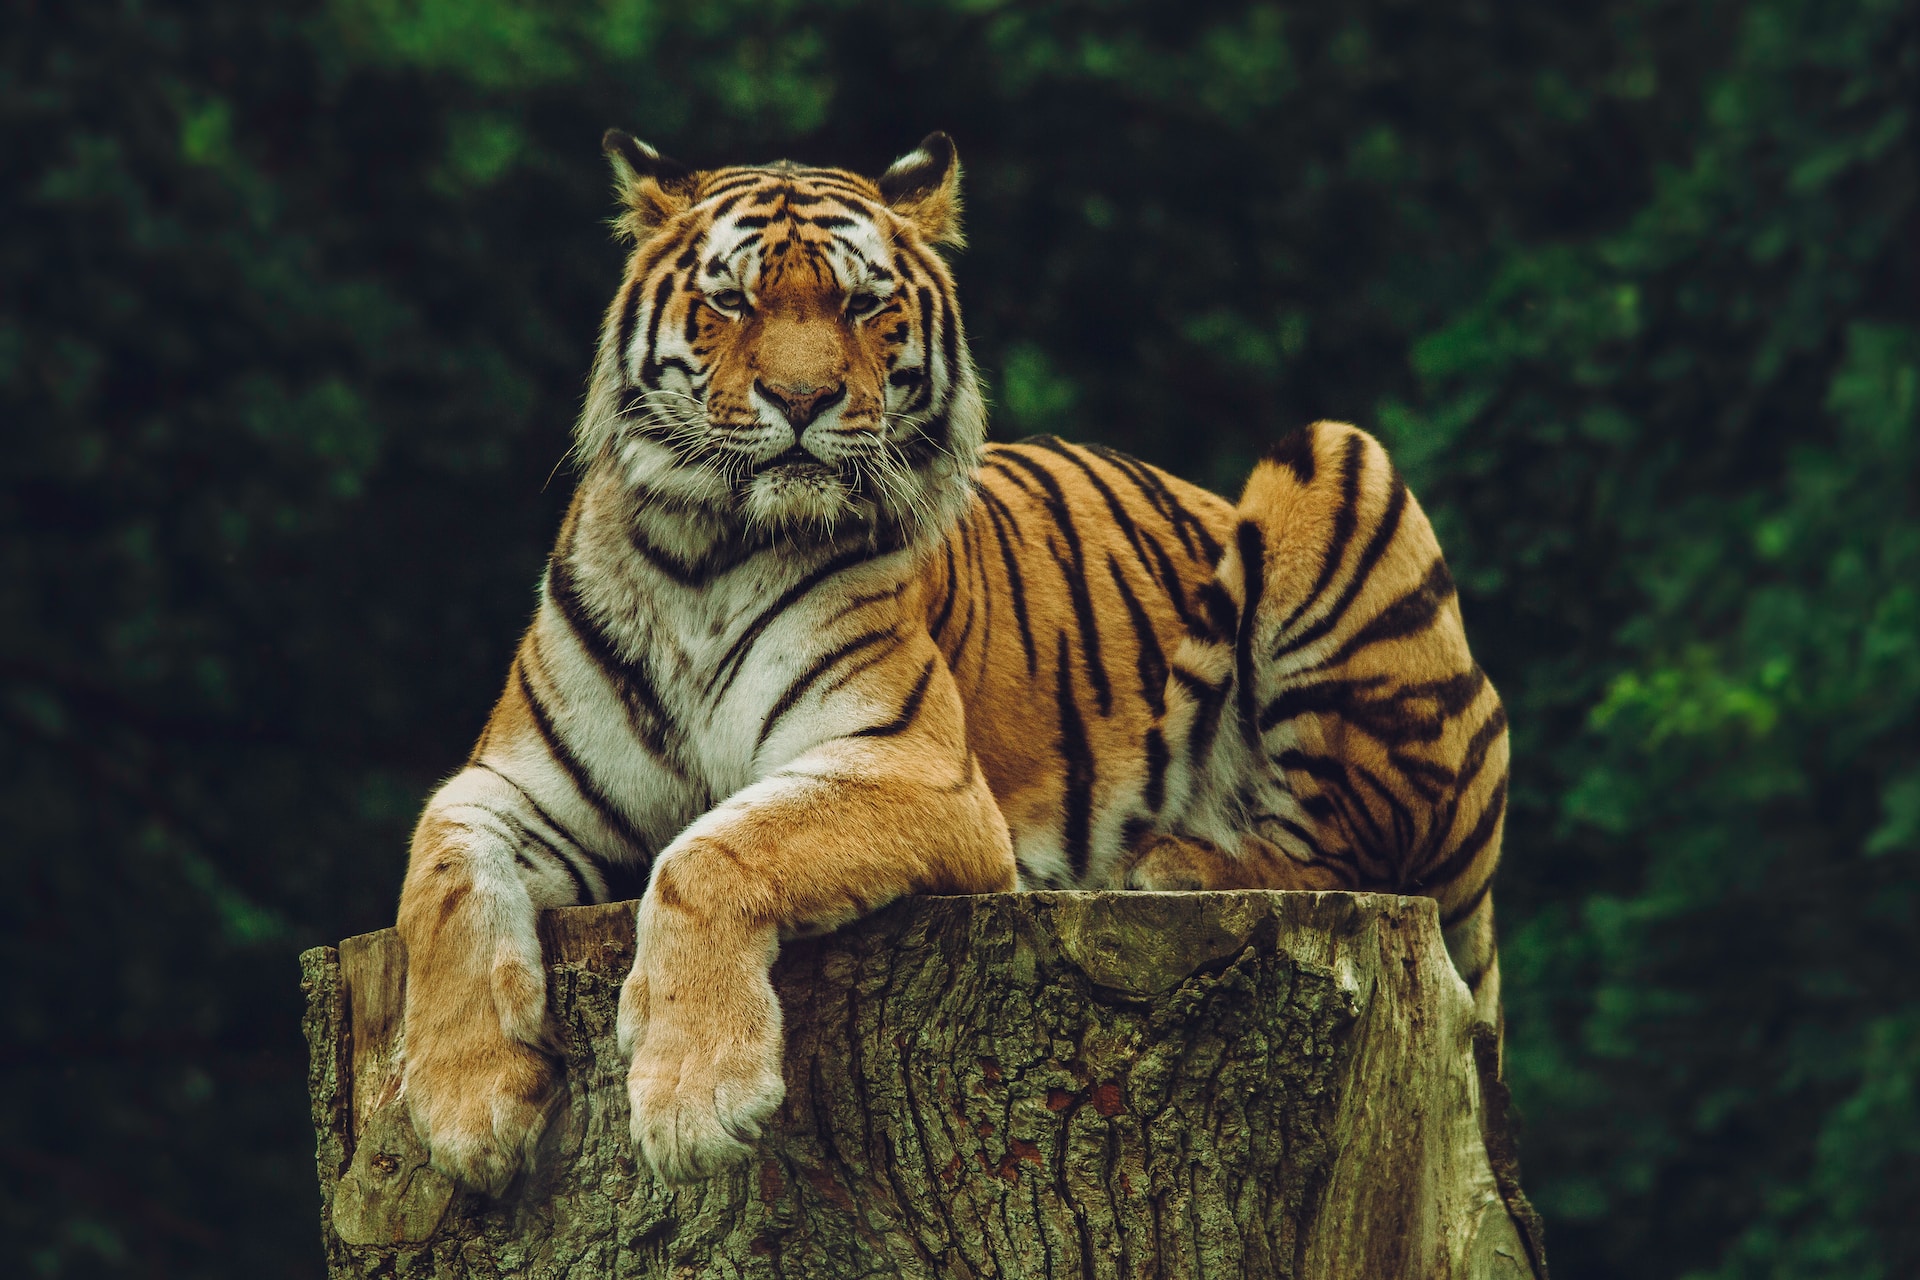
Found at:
[296, 304]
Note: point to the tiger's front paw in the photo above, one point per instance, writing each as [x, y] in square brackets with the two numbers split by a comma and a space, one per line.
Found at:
[479, 1096]
[703, 1082]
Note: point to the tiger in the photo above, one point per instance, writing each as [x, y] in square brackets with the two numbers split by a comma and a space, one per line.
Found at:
[806, 643]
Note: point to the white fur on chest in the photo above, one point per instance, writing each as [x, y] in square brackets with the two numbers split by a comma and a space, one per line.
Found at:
[716, 657]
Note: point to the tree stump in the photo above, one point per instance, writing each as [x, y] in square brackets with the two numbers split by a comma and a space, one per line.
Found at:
[1011, 1085]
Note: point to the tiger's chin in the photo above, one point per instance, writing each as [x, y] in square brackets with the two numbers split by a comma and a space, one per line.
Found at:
[806, 501]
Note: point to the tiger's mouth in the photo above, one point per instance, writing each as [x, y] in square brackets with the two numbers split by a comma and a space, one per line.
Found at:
[795, 463]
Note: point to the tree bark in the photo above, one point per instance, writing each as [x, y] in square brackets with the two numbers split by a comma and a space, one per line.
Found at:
[1015, 1085]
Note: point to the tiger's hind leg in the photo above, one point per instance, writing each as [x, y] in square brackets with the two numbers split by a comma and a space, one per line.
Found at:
[1168, 863]
[1335, 711]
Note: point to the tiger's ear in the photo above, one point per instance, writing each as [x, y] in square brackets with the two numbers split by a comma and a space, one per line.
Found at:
[923, 187]
[651, 186]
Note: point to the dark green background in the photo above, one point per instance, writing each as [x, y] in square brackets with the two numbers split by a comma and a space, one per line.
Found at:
[296, 306]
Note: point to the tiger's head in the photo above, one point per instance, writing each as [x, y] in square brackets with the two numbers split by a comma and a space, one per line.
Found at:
[786, 353]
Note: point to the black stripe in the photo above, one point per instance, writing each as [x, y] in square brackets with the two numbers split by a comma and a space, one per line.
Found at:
[722, 209]
[1191, 530]
[973, 536]
[828, 180]
[1309, 838]
[632, 398]
[582, 780]
[974, 594]
[1155, 790]
[805, 200]
[651, 257]
[631, 681]
[735, 657]
[1376, 547]
[1016, 584]
[1121, 518]
[949, 338]
[1170, 582]
[1471, 845]
[1336, 798]
[1076, 821]
[698, 573]
[926, 442]
[741, 184]
[1320, 697]
[939, 623]
[649, 371]
[821, 665]
[1322, 769]
[964, 778]
[1218, 618]
[867, 265]
[1210, 700]
[1464, 909]
[1294, 451]
[1405, 824]
[629, 312]
[909, 710]
[993, 464]
[966, 632]
[862, 601]
[532, 804]
[625, 878]
[1393, 715]
[1472, 760]
[1253, 576]
[1148, 656]
[582, 891]
[665, 363]
[1346, 518]
[1075, 573]
[926, 345]
[1477, 751]
[1411, 614]
[1430, 780]
[852, 673]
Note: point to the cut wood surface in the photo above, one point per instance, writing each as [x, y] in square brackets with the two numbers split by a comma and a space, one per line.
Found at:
[1011, 1085]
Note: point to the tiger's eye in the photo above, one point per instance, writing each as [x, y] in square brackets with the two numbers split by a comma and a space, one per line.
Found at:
[728, 300]
[863, 302]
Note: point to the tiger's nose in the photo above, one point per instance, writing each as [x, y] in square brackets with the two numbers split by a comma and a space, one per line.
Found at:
[802, 403]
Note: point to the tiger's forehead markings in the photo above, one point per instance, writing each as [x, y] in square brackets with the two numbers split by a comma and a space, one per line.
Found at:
[812, 185]
[766, 220]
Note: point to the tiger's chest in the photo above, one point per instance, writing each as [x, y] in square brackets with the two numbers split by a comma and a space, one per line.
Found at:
[682, 680]
[1058, 602]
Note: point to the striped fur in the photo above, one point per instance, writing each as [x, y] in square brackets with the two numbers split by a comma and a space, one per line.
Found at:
[805, 644]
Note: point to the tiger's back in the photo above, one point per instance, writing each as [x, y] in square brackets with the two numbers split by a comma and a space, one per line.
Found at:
[1145, 718]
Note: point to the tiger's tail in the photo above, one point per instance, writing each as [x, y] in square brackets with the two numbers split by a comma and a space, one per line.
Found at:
[1333, 709]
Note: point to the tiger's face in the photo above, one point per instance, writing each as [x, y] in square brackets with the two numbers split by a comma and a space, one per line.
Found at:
[786, 351]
